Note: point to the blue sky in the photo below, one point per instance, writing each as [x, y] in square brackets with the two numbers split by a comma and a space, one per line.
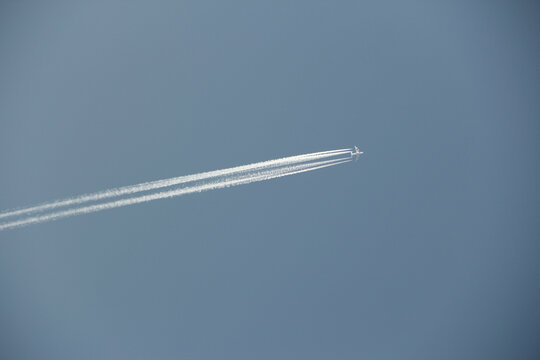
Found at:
[427, 247]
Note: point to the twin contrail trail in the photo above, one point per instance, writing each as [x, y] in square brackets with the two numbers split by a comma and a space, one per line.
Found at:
[176, 186]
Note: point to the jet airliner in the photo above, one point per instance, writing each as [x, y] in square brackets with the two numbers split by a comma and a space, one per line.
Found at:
[356, 153]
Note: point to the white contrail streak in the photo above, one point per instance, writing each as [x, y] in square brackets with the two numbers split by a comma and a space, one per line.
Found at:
[153, 185]
[221, 182]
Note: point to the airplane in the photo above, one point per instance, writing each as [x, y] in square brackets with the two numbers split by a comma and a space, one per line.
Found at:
[356, 153]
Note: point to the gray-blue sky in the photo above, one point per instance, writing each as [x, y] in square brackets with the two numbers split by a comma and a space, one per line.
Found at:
[425, 248]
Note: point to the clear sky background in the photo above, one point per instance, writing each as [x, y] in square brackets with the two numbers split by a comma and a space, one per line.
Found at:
[426, 248]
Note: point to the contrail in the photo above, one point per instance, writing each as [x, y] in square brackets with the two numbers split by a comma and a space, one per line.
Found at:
[153, 185]
[204, 181]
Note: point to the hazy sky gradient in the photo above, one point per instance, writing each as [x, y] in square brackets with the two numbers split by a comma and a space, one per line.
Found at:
[425, 248]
